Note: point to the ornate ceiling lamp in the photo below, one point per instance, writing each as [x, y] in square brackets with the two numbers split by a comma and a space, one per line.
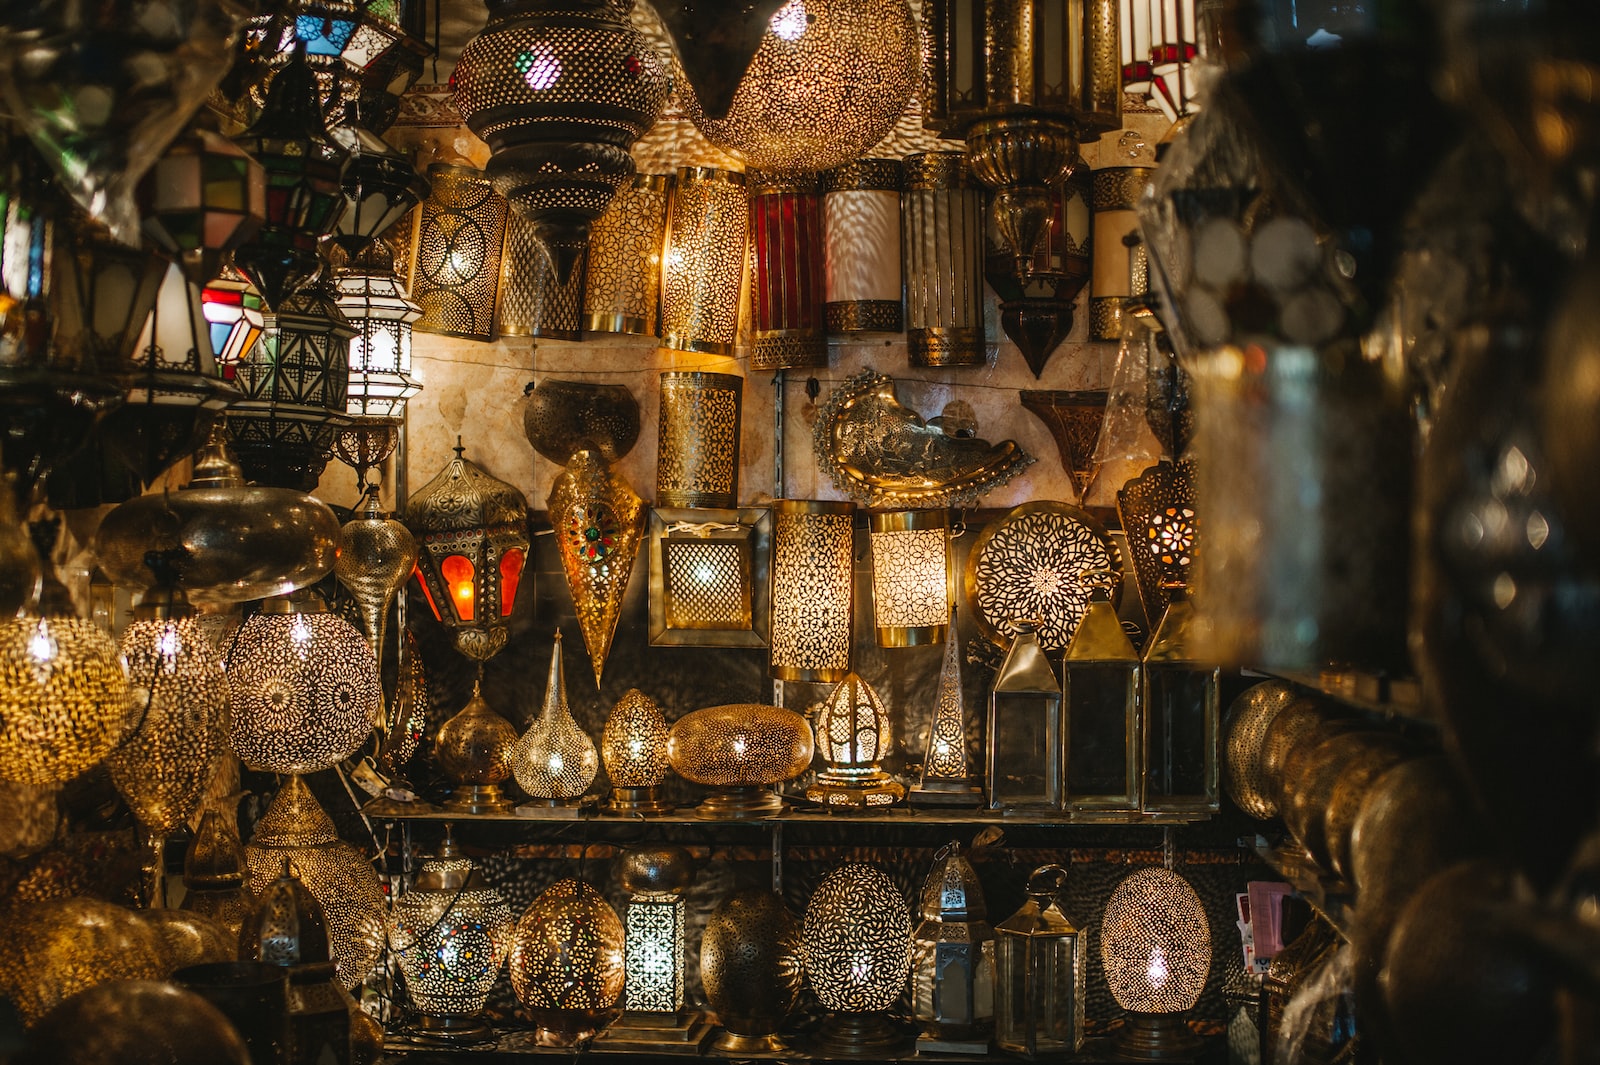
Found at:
[202, 199]
[560, 91]
[380, 185]
[233, 310]
[1036, 306]
[104, 292]
[599, 522]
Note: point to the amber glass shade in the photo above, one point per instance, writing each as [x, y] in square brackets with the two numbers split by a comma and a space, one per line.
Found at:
[1155, 943]
[853, 736]
[705, 261]
[812, 585]
[910, 576]
[857, 936]
[66, 698]
[555, 760]
[567, 962]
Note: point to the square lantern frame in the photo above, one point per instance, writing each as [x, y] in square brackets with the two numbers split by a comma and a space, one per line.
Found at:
[745, 536]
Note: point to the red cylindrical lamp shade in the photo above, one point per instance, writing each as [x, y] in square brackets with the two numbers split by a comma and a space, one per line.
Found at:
[786, 258]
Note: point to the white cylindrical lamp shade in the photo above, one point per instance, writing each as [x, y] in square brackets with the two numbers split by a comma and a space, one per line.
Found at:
[942, 215]
[705, 261]
[862, 281]
[910, 576]
[1121, 270]
[622, 289]
[812, 577]
[786, 281]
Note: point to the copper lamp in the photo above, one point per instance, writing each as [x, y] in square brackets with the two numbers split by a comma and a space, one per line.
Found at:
[857, 935]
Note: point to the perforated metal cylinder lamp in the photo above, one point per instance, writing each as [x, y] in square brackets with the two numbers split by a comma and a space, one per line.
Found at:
[534, 301]
[697, 452]
[705, 261]
[911, 583]
[812, 584]
[455, 253]
[622, 287]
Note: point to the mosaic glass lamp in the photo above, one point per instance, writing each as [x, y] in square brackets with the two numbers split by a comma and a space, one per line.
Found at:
[741, 750]
[1155, 945]
[857, 936]
[752, 969]
[853, 736]
[910, 576]
[953, 958]
[233, 310]
[567, 963]
[450, 934]
[555, 761]
[947, 776]
[203, 197]
[1039, 973]
[634, 749]
[812, 586]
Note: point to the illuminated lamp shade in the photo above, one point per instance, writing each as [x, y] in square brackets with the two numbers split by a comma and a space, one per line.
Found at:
[953, 957]
[910, 576]
[567, 963]
[812, 581]
[455, 253]
[73, 944]
[634, 750]
[233, 311]
[599, 522]
[1036, 306]
[1159, 42]
[67, 698]
[534, 301]
[555, 761]
[828, 81]
[1024, 733]
[622, 285]
[1039, 973]
[1121, 264]
[697, 450]
[203, 198]
[473, 749]
[786, 273]
[705, 259]
[861, 264]
[1155, 946]
[655, 879]
[857, 936]
[943, 234]
[380, 185]
[560, 91]
[380, 382]
[302, 687]
[946, 773]
[1181, 715]
[450, 934]
[741, 750]
[853, 736]
[708, 576]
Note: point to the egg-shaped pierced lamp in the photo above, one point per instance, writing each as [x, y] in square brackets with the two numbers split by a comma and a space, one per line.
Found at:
[634, 750]
[567, 963]
[1155, 946]
[451, 933]
[555, 761]
[857, 936]
[66, 694]
[741, 750]
[853, 736]
[953, 958]
[752, 969]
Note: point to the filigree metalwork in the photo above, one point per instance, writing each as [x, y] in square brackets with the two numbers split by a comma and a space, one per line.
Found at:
[555, 760]
[945, 766]
[857, 936]
[853, 737]
[1155, 943]
[1074, 420]
[455, 253]
[910, 576]
[562, 417]
[812, 582]
[599, 522]
[1035, 563]
[697, 456]
[942, 233]
[534, 301]
[705, 261]
[1158, 510]
[740, 749]
[654, 953]
[883, 454]
[708, 577]
[623, 290]
[63, 698]
[751, 968]
[567, 962]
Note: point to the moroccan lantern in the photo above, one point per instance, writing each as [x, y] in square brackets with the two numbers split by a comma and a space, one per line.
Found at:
[857, 936]
[853, 736]
[202, 198]
[555, 761]
[953, 957]
[567, 963]
[599, 522]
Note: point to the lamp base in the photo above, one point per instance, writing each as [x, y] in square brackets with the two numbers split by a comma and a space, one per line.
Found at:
[945, 793]
[855, 796]
[740, 804]
[1155, 1037]
[734, 1043]
[685, 1032]
[644, 802]
[859, 1035]
[455, 1029]
[478, 799]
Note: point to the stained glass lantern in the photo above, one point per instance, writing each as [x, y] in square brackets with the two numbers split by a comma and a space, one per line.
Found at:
[702, 275]
[622, 285]
[450, 934]
[560, 92]
[1039, 973]
[380, 185]
[302, 687]
[1155, 945]
[953, 959]
[203, 197]
[853, 736]
[455, 253]
[634, 749]
[1024, 734]
[752, 970]
[534, 300]
[555, 761]
[1159, 42]
[857, 936]
[1121, 264]
[655, 879]
[861, 230]
[786, 273]
[1100, 685]
[233, 311]
[305, 198]
[708, 577]
[947, 777]
[741, 750]
[942, 231]
[1037, 300]
[67, 698]
[1181, 716]
[910, 576]
[567, 963]
[828, 80]
[697, 450]
[812, 585]
[599, 522]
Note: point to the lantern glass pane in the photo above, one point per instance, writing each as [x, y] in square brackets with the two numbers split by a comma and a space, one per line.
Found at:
[654, 954]
[510, 579]
[1102, 735]
[458, 573]
[1024, 742]
[1180, 713]
[1039, 994]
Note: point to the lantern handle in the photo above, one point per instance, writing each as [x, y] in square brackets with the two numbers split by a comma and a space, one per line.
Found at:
[1046, 881]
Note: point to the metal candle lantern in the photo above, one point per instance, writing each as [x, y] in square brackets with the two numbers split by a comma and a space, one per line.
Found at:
[942, 230]
[201, 199]
[861, 230]
[1024, 734]
[812, 582]
[104, 292]
[288, 927]
[953, 958]
[455, 253]
[634, 750]
[857, 935]
[1039, 973]
[567, 963]
[622, 287]
[946, 773]
[853, 736]
[910, 576]
[704, 267]
[555, 761]
[786, 263]
[1100, 682]
[697, 456]
[1121, 265]
[375, 302]
[1181, 716]
[1155, 945]
[534, 300]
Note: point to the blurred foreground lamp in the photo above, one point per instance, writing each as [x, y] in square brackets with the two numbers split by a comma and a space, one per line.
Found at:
[704, 261]
[1101, 688]
[1155, 946]
[450, 934]
[812, 581]
[534, 301]
[857, 935]
[67, 698]
[946, 775]
[214, 871]
[567, 963]
[1024, 734]
[655, 879]
[861, 264]
[622, 284]
[942, 231]
[1181, 716]
[853, 736]
[697, 452]
[1121, 264]
[708, 576]
[104, 294]
[555, 760]
[380, 379]
[1036, 304]
[203, 197]
[1039, 973]
[455, 253]
[1159, 41]
[741, 750]
[288, 927]
[634, 750]
[786, 261]
[953, 959]
[910, 576]
[233, 310]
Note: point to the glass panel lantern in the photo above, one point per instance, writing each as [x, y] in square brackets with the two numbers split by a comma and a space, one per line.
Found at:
[1180, 716]
[1024, 736]
[233, 309]
[942, 234]
[1039, 973]
[1100, 682]
[953, 959]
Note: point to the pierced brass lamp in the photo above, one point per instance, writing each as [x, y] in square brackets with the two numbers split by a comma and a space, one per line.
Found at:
[751, 967]
[853, 736]
[857, 936]
[567, 963]
[555, 761]
[946, 772]
[812, 586]
[654, 1018]
[634, 749]
[740, 750]
[910, 576]
[599, 522]
[1155, 945]
[67, 698]
[705, 260]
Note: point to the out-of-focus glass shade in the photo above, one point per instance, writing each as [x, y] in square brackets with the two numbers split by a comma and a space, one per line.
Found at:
[450, 934]
[1155, 943]
[567, 962]
[74, 944]
[857, 936]
[66, 698]
[202, 198]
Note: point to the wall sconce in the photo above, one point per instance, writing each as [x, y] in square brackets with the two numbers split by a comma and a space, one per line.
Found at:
[812, 584]
[1039, 973]
[751, 969]
[1181, 715]
[634, 750]
[655, 879]
[567, 963]
[1155, 945]
[853, 736]
[201, 199]
[233, 309]
[1121, 264]
[705, 260]
[697, 454]
[599, 521]
[1158, 510]
[861, 264]
[1100, 685]
[786, 260]
[910, 576]
[1036, 303]
[946, 774]
[622, 291]
[1024, 734]
[1158, 43]
[942, 229]
[857, 936]
[741, 750]
[455, 253]
[555, 761]
[534, 302]
[708, 577]
[953, 959]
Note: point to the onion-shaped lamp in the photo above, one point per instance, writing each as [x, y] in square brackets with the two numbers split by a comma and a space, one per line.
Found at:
[953, 959]
[752, 969]
[450, 934]
[473, 749]
[634, 750]
[66, 698]
[567, 963]
[853, 736]
[555, 761]
[857, 936]
[1039, 973]
[1155, 945]
[741, 750]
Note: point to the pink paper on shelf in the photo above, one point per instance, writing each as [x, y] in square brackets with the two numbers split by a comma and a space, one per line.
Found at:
[1266, 915]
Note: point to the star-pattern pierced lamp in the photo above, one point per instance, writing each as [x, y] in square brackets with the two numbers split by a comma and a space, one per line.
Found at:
[705, 259]
[942, 231]
[697, 451]
[455, 253]
[1039, 973]
[203, 197]
[1182, 722]
[599, 522]
[786, 264]
[622, 286]
[946, 772]
[861, 228]
[751, 969]
[1155, 945]
[1159, 507]
[473, 749]
[68, 696]
[534, 301]
[567, 963]
[1121, 264]
[741, 750]
[555, 761]
[953, 958]
[910, 576]
[233, 310]
[634, 749]
[1100, 689]
[1036, 304]
[1024, 734]
[857, 933]
[853, 736]
[812, 582]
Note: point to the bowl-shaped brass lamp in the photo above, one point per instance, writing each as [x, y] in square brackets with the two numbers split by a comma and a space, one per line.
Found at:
[741, 750]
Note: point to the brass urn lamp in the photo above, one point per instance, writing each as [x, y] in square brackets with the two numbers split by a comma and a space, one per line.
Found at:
[751, 968]
[567, 963]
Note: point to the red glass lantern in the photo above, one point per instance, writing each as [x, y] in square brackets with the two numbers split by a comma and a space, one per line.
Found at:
[786, 292]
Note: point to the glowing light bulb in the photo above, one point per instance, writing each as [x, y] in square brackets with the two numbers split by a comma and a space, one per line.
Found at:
[1158, 971]
[42, 647]
[556, 762]
[300, 632]
[789, 24]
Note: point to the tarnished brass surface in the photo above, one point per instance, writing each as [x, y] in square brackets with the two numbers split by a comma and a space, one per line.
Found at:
[563, 417]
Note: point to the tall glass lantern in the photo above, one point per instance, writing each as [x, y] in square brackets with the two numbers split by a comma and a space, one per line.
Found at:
[1181, 722]
[953, 959]
[654, 922]
[1100, 682]
[1024, 736]
[942, 231]
[1039, 973]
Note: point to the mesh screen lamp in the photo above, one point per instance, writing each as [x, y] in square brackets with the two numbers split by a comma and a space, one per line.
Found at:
[853, 736]
[857, 936]
[947, 777]
[953, 959]
[534, 300]
[708, 577]
[812, 582]
[1100, 686]
[741, 750]
[1039, 973]
[622, 285]
[634, 750]
[1024, 733]
[942, 231]
[705, 259]
[455, 253]
[1121, 266]
[1155, 945]
[697, 451]
[1036, 305]
[233, 311]
[1181, 715]
[203, 198]
[567, 963]
[861, 233]
[555, 761]
[786, 264]
[910, 576]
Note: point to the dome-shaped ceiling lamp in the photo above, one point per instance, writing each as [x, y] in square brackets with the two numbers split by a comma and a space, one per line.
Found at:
[560, 91]
[828, 81]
